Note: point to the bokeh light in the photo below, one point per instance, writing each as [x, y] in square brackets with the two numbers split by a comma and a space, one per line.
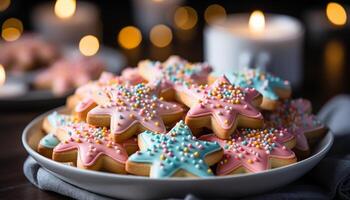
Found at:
[10, 34]
[129, 37]
[4, 4]
[336, 14]
[2, 75]
[185, 17]
[257, 21]
[11, 29]
[13, 23]
[65, 8]
[214, 12]
[161, 35]
[89, 45]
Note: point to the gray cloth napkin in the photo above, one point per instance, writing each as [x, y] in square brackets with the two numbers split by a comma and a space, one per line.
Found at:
[329, 180]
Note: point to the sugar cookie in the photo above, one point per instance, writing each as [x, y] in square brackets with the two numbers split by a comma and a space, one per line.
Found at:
[90, 148]
[271, 87]
[129, 110]
[175, 154]
[297, 117]
[221, 107]
[254, 150]
[173, 71]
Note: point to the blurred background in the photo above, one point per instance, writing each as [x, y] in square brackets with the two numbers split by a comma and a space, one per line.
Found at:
[177, 28]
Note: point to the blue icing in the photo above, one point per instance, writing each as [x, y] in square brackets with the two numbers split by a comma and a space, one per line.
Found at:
[56, 120]
[263, 82]
[178, 149]
[49, 141]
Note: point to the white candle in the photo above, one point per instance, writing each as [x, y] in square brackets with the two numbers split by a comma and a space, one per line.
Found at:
[274, 40]
[10, 88]
[67, 22]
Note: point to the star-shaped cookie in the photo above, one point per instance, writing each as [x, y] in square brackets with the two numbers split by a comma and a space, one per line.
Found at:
[221, 107]
[271, 87]
[173, 71]
[297, 117]
[129, 110]
[254, 150]
[177, 153]
[90, 147]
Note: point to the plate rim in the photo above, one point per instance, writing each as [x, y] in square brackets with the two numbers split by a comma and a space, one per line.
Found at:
[33, 153]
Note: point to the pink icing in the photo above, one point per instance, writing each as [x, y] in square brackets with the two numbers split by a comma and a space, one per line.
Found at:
[176, 70]
[297, 117]
[84, 105]
[106, 78]
[132, 76]
[225, 108]
[128, 105]
[241, 150]
[91, 143]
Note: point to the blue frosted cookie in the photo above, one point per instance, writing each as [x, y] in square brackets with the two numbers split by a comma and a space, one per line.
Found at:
[174, 154]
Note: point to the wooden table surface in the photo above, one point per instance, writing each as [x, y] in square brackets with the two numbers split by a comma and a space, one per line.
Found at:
[13, 184]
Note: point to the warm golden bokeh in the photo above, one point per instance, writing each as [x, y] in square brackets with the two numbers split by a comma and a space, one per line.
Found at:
[11, 29]
[129, 37]
[334, 63]
[336, 14]
[89, 45]
[4, 4]
[13, 23]
[214, 12]
[65, 8]
[2, 75]
[185, 18]
[10, 34]
[257, 21]
[161, 35]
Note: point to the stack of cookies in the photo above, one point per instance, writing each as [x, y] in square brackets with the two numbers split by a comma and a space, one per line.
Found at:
[179, 119]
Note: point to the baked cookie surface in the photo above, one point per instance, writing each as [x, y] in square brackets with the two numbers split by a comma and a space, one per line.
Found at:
[254, 150]
[271, 87]
[129, 110]
[177, 153]
[89, 147]
[296, 115]
[173, 71]
[221, 107]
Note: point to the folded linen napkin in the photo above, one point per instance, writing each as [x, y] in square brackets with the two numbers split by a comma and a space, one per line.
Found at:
[329, 180]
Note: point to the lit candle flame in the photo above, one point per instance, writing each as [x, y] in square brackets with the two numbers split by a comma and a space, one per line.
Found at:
[65, 8]
[336, 14]
[2, 75]
[257, 21]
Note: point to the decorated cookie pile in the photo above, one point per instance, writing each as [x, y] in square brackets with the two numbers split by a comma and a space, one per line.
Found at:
[176, 119]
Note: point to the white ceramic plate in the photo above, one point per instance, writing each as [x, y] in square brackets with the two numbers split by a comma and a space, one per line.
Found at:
[134, 187]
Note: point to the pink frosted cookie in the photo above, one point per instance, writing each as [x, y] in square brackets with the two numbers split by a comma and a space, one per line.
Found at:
[67, 74]
[89, 147]
[132, 76]
[28, 52]
[83, 99]
[254, 150]
[129, 110]
[221, 107]
[173, 71]
[297, 117]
